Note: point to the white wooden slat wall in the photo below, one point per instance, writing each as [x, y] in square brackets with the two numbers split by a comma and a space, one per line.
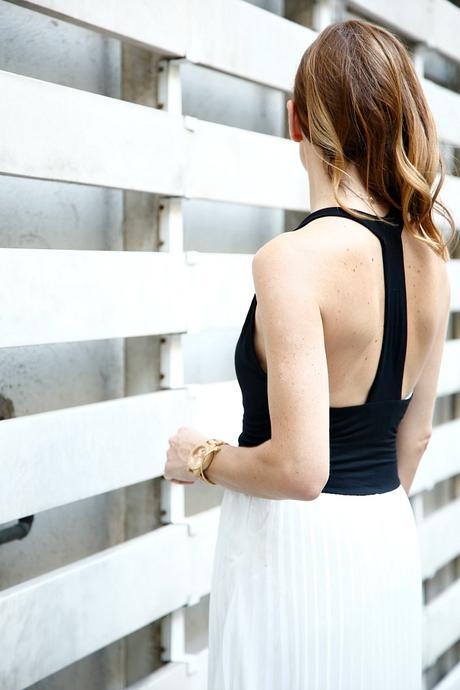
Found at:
[73, 305]
[67, 455]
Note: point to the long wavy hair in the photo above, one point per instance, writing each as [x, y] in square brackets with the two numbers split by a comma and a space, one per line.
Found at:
[359, 100]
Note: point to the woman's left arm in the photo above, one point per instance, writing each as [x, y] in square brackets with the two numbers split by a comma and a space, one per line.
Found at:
[294, 462]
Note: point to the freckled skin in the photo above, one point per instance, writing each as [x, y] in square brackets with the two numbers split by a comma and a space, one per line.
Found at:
[353, 326]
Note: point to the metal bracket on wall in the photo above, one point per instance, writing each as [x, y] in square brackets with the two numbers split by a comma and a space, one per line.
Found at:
[23, 526]
[18, 531]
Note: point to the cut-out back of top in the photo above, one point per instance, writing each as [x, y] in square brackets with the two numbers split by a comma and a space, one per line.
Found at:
[388, 380]
[361, 431]
[387, 383]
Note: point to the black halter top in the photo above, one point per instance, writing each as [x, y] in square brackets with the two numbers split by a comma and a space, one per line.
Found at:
[362, 438]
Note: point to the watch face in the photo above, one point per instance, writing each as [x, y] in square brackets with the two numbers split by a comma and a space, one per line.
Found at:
[194, 462]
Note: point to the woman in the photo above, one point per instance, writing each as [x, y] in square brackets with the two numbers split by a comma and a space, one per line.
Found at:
[316, 582]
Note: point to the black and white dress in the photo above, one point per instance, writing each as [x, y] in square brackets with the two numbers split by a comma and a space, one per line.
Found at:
[324, 594]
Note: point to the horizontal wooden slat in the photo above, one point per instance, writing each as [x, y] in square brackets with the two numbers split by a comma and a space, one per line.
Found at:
[237, 165]
[273, 44]
[65, 295]
[45, 620]
[55, 458]
[441, 459]
[441, 625]
[90, 295]
[450, 195]
[445, 106]
[213, 298]
[435, 22]
[130, 146]
[119, 590]
[440, 538]
[449, 376]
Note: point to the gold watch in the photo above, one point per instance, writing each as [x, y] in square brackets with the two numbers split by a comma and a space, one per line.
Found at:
[201, 457]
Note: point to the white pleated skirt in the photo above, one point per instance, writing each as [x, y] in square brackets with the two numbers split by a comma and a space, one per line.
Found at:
[316, 595]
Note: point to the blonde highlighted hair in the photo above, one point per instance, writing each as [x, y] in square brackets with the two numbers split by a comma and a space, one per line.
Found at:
[359, 100]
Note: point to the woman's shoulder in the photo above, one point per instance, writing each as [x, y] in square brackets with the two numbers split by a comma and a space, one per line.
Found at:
[324, 234]
[289, 259]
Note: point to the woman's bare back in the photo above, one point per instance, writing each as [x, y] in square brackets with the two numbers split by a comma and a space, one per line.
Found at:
[352, 304]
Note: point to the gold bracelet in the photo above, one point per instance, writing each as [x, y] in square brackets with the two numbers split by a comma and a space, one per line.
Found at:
[202, 456]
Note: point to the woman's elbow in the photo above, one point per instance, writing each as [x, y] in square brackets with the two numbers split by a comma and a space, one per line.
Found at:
[315, 488]
[305, 486]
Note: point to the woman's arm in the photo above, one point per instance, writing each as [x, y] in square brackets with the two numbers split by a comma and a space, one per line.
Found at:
[294, 462]
[257, 471]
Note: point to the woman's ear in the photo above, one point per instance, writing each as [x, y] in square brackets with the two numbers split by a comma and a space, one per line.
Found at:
[293, 120]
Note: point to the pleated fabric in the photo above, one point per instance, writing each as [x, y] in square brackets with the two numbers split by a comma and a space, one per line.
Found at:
[316, 595]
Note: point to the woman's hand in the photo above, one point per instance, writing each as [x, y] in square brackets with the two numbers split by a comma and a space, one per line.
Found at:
[178, 453]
